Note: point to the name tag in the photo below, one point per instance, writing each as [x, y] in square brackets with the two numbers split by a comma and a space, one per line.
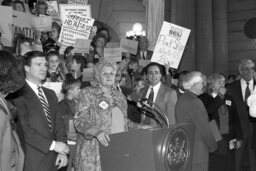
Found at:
[103, 105]
[228, 102]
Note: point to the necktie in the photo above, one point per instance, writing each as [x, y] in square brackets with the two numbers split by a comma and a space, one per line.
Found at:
[151, 97]
[247, 92]
[45, 106]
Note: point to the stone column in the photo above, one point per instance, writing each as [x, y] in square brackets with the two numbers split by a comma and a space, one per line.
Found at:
[220, 38]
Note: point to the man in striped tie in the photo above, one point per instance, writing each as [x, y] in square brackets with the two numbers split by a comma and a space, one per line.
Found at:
[43, 133]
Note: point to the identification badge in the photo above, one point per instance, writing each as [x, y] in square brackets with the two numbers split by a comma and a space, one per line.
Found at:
[103, 105]
[228, 102]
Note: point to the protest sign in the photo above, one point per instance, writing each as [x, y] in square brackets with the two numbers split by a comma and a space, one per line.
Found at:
[88, 75]
[170, 44]
[41, 23]
[52, 9]
[56, 87]
[5, 25]
[22, 24]
[143, 62]
[82, 45]
[113, 54]
[67, 9]
[83, 2]
[75, 26]
[128, 45]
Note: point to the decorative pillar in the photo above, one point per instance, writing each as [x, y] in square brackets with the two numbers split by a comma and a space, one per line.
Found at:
[220, 38]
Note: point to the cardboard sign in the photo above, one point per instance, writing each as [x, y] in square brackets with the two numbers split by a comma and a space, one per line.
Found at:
[113, 54]
[41, 23]
[5, 25]
[83, 2]
[75, 26]
[82, 45]
[88, 75]
[130, 46]
[22, 24]
[67, 9]
[143, 62]
[170, 44]
[52, 9]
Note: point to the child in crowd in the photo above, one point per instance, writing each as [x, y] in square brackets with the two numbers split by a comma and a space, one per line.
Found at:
[67, 109]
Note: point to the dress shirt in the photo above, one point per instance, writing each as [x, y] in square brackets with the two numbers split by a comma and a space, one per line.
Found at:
[155, 88]
[244, 85]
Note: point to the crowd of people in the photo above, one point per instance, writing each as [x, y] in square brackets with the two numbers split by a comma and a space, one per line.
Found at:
[40, 131]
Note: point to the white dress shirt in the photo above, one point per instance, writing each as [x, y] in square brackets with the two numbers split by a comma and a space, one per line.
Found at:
[244, 85]
[155, 89]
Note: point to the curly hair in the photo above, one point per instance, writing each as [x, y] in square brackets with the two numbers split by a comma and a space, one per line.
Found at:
[11, 78]
[98, 68]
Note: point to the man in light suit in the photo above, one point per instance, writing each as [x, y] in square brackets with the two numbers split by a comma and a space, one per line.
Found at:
[237, 90]
[190, 109]
[44, 134]
[164, 97]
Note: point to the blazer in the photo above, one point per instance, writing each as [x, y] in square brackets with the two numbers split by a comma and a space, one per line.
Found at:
[11, 154]
[166, 99]
[190, 109]
[37, 135]
[212, 105]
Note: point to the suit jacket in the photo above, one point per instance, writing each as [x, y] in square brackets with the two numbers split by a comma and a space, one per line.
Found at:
[37, 135]
[11, 154]
[212, 106]
[166, 99]
[234, 89]
[190, 109]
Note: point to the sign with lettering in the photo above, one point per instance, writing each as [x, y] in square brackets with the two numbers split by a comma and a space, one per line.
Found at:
[75, 26]
[52, 9]
[83, 2]
[67, 9]
[130, 46]
[113, 54]
[5, 25]
[41, 23]
[170, 44]
[82, 45]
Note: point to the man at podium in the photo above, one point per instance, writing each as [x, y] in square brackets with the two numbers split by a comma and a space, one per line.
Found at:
[190, 109]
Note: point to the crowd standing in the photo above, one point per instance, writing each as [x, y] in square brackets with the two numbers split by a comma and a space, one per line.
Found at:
[40, 131]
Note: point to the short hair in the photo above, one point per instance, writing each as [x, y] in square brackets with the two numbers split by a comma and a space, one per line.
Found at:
[244, 62]
[192, 78]
[98, 68]
[161, 68]
[97, 36]
[32, 54]
[68, 50]
[104, 29]
[212, 79]
[11, 78]
[57, 26]
[80, 60]
[52, 53]
[70, 83]
[20, 2]
[20, 39]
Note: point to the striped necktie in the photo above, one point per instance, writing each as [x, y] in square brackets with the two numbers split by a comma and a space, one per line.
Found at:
[45, 106]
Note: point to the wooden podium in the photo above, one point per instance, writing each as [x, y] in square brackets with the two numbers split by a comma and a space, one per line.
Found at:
[165, 149]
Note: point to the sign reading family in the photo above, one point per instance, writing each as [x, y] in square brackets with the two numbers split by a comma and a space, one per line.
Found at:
[170, 44]
[75, 26]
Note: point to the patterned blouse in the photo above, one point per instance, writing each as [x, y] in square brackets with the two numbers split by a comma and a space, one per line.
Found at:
[95, 111]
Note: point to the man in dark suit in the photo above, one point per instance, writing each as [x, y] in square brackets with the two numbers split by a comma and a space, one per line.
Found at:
[44, 133]
[190, 109]
[164, 97]
[240, 90]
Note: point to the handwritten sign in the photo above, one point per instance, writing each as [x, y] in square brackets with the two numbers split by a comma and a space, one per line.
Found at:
[67, 9]
[88, 75]
[41, 23]
[83, 2]
[130, 46]
[5, 24]
[170, 44]
[75, 26]
[82, 45]
[113, 54]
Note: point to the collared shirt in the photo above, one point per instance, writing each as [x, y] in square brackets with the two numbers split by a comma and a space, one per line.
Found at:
[34, 87]
[244, 85]
[155, 88]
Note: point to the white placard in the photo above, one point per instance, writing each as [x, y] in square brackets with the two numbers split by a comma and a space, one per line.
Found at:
[82, 45]
[5, 25]
[41, 23]
[52, 9]
[128, 45]
[67, 9]
[75, 26]
[113, 54]
[83, 2]
[170, 44]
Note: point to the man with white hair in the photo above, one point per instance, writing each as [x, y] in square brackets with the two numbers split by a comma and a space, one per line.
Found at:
[240, 90]
[190, 109]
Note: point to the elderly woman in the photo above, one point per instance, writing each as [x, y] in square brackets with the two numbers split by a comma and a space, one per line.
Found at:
[102, 111]
[11, 154]
[221, 108]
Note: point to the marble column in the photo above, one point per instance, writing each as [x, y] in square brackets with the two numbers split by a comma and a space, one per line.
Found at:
[220, 38]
